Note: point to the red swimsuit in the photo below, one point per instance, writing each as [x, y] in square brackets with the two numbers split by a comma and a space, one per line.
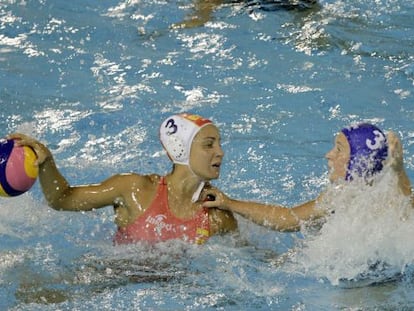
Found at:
[158, 223]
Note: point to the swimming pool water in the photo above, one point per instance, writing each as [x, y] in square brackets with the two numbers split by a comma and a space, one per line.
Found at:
[94, 80]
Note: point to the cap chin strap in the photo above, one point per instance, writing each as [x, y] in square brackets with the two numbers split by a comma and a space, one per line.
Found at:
[197, 193]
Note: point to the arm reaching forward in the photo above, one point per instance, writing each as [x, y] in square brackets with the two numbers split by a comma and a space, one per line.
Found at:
[272, 216]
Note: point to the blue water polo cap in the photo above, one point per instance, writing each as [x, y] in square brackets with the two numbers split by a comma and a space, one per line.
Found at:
[369, 149]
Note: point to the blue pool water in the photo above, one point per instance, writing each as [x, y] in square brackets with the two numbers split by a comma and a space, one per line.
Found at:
[93, 80]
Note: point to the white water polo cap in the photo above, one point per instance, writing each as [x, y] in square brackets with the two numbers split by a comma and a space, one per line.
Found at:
[177, 133]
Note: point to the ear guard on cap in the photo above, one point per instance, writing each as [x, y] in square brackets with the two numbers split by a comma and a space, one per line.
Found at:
[176, 148]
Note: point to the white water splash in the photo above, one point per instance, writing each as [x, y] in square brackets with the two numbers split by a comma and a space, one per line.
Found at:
[368, 236]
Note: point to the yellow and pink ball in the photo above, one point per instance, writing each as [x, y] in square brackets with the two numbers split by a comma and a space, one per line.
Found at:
[18, 169]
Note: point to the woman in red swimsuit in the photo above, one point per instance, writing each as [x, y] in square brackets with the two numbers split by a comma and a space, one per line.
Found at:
[156, 208]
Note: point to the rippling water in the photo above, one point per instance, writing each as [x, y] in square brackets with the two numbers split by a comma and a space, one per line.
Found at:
[94, 80]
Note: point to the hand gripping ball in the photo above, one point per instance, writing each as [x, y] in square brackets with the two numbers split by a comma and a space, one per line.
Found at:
[18, 171]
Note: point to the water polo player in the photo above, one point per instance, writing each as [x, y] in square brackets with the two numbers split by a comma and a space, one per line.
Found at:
[363, 148]
[151, 207]
[360, 151]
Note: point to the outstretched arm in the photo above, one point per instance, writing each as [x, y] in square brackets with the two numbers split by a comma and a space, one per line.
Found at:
[59, 194]
[275, 217]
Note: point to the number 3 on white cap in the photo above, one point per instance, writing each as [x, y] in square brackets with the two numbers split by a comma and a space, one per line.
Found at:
[172, 126]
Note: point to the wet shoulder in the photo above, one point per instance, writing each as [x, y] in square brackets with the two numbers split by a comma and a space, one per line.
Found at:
[137, 181]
